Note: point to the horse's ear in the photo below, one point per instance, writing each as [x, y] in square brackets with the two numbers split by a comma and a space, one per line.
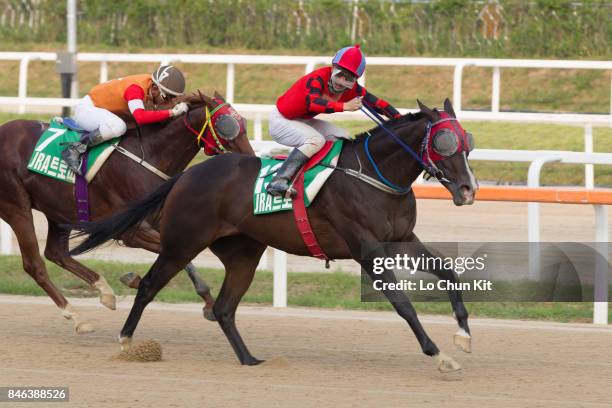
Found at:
[207, 100]
[219, 96]
[448, 108]
[428, 112]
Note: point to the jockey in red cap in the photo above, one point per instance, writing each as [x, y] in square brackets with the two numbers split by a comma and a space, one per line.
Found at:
[324, 90]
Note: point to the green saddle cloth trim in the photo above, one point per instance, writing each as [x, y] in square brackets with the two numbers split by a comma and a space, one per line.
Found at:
[264, 203]
[47, 156]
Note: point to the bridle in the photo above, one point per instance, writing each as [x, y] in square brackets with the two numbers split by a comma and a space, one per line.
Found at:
[212, 144]
[462, 143]
[424, 158]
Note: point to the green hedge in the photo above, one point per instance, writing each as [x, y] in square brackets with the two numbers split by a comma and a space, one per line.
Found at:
[540, 28]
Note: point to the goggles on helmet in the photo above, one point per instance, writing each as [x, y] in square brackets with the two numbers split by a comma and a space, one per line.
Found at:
[342, 79]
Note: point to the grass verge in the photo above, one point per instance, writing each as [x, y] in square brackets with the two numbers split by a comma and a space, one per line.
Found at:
[321, 290]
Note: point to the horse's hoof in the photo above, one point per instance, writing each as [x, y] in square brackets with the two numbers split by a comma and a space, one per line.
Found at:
[209, 314]
[84, 328]
[109, 301]
[253, 361]
[446, 364]
[131, 280]
[463, 341]
[125, 343]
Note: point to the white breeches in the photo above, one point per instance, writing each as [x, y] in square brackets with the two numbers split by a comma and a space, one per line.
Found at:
[308, 135]
[90, 118]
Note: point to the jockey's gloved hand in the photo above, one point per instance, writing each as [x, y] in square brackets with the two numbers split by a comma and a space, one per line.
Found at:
[353, 105]
[179, 109]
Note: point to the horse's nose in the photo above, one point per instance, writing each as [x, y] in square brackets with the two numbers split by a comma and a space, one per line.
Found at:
[467, 193]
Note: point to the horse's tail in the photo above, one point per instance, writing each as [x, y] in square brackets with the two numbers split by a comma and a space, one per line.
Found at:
[99, 232]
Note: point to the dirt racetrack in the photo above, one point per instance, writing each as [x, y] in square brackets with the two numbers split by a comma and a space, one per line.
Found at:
[315, 358]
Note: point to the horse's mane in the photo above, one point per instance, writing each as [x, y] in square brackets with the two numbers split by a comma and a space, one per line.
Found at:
[391, 124]
[194, 99]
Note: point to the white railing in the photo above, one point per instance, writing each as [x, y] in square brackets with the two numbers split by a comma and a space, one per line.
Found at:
[309, 62]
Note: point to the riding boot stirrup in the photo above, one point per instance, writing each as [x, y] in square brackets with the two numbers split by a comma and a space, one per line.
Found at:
[72, 156]
[280, 186]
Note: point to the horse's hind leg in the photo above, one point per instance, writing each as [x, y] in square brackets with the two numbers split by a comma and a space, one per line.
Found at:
[462, 339]
[21, 221]
[57, 252]
[240, 256]
[203, 290]
[148, 238]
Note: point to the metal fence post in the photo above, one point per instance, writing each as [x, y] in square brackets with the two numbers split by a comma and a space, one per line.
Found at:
[23, 81]
[589, 175]
[495, 92]
[280, 279]
[229, 92]
[457, 88]
[5, 238]
[103, 71]
[600, 306]
[257, 128]
[533, 215]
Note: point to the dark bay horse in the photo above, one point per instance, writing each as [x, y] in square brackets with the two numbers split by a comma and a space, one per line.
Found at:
[168, 146]
[346, 214]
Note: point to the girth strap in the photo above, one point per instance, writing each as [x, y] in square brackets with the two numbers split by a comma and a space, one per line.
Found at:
[299, 207]
[303, 224]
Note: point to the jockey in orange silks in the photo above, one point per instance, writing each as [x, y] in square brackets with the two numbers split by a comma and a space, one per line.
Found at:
[324, 90]
[97, 111]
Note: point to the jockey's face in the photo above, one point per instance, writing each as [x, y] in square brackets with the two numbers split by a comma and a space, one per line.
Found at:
[156, 95]
[341, 79]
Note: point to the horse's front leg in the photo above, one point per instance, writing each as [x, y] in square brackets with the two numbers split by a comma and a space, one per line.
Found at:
[462, 338]
[404, 308]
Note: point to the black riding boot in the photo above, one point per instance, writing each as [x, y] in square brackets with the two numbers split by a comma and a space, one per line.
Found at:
[280, 184]
[73, 151]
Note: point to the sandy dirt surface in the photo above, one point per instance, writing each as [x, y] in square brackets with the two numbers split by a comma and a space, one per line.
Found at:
[314, 358]
[437, 221]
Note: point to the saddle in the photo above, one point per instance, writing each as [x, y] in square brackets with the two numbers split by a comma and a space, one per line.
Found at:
[72, 125]
[308, 182]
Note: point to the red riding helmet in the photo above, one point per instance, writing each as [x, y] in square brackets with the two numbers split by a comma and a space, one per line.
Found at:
[351, 59]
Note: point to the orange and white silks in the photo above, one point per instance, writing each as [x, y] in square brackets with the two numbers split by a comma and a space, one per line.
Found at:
[109, 95]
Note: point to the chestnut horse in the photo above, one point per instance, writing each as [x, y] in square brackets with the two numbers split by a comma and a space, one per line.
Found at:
[168, 146]
[347, 213]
